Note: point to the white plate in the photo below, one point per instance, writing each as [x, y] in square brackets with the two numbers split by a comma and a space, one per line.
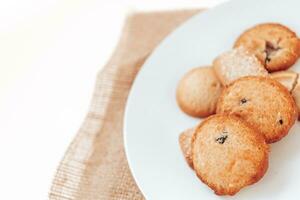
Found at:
[153, 121]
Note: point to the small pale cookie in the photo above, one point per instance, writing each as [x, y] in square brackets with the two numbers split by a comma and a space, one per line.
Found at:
[228, 154]
[237, 63]
[296, 95]
[185, 142]
[262, 102]
[198, 91]
[287, 78]
[273, 44]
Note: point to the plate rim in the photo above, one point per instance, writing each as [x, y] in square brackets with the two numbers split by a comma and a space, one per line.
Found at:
[130, 96]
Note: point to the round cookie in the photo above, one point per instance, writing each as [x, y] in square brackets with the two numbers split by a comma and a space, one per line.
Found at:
[237, 63]
[198, 92]
[262, 102]
[275, 45]
[228, 154]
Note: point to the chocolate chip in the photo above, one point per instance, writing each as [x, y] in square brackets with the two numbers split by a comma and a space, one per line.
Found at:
[221, 139]
[243, 100]
[280, 121]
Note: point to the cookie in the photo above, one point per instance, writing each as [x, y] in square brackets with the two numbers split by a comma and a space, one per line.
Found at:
[228, 154]
[296, 95]
[287, 78]
[237, 63]
[275, 45]
[198, 92]
[185, 142]
[262, 102]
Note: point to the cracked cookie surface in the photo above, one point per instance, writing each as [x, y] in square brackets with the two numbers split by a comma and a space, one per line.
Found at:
[237, 63]
[275, 45]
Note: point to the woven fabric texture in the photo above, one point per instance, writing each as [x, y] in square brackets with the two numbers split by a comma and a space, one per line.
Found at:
[95, 166]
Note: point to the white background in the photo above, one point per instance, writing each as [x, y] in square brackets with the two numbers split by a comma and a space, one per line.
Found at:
[50, 53]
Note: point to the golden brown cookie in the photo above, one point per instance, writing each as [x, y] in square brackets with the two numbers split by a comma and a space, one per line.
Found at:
[296, 95]
[198, 92]
[228, 154]
[287, 78]
[275, 45]
[237, 63]
[185, 142]
[262, 102]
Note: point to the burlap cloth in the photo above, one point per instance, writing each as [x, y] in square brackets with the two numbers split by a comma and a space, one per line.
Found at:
[94, 166]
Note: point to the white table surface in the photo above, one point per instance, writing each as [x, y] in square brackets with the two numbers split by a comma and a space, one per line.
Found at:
[50, 53]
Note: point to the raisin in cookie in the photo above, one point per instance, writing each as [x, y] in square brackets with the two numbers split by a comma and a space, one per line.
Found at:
[198, 92]
[287, 78]
[275, 45]
[228, 154]
[237, 63]
[185, 142]
[262, 102]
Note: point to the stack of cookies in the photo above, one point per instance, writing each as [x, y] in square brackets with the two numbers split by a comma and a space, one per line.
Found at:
[250, 100]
